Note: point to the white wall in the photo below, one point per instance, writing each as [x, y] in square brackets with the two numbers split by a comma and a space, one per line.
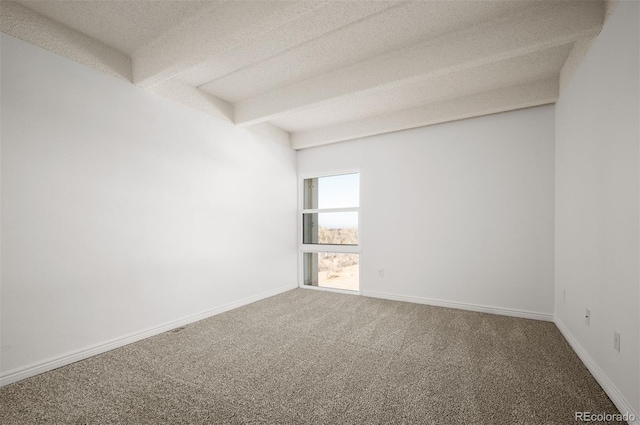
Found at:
[122, 211]
[597, 203]
[461, 212]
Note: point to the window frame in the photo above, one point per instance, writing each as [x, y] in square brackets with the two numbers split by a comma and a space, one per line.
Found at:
[316, 248]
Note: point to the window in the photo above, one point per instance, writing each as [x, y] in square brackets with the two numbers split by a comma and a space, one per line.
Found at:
[329, 243]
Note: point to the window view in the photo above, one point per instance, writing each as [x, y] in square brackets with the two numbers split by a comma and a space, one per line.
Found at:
[331, 270]
[330, 228]
[334, 192]
[330, 231]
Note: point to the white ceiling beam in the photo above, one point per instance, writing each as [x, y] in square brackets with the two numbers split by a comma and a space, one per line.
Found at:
[192, 97]
[580, 49]
[578, 52]
[25, 24]
[184, 93]
[215, 30]
[270, 132]
[540, 27]
[309, 27]
[521, 69]
[485, 103]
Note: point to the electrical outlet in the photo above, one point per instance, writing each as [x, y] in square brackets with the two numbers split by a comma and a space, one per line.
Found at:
[381, 273]
[616, 341]
[587, 317]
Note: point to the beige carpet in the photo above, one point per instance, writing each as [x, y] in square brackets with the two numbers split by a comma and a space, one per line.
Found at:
[312, 357]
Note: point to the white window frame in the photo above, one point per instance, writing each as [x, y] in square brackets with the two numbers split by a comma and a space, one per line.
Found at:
[316, 248]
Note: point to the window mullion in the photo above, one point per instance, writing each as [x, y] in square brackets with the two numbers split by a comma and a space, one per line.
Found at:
[329, 210]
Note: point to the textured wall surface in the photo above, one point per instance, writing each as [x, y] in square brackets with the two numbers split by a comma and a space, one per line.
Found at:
[460, 212]
[123, 211]
[597, 202]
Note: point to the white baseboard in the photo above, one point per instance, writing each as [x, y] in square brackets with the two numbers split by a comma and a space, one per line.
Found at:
[72, 357]
[612, 391]
[462, 306]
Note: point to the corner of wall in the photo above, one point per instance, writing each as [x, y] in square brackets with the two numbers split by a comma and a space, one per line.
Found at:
[623, 405]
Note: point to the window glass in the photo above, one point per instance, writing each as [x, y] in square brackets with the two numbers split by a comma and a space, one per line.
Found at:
[334, 228]
[341, 191]
[330, 212]
[332, 270]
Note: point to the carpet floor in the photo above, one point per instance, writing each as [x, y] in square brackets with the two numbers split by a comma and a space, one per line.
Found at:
[314, 357]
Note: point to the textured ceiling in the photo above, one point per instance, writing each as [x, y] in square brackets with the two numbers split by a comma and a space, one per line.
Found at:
[307, 73]
[124, 25]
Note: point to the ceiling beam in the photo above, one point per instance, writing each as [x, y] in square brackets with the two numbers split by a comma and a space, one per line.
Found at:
[577, 54]
[192, 97]
[306, 28]
[489, 102]
[25, 24]
[518, 70]
[184, 93]
[270, 132]
[539, 27]
[215, 30]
